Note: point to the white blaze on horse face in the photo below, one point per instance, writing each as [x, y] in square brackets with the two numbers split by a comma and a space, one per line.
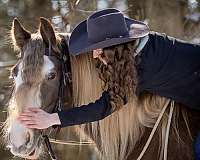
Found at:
[19, 135]
[48, 66]
[33, 96]
[18, 80]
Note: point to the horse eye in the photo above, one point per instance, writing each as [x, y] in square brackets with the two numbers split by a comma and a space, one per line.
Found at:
[13, 74]
[14, 71]
[51, 76]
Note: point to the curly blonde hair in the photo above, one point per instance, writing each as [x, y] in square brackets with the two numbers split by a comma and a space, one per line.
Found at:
[119, 75]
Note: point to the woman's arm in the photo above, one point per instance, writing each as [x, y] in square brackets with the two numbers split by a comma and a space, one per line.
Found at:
[98, 110]
[39, 119]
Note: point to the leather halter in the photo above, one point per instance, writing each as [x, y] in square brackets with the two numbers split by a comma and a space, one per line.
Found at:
[65, 79]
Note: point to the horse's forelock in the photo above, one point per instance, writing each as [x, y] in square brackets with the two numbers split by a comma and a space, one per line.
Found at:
[33, 60]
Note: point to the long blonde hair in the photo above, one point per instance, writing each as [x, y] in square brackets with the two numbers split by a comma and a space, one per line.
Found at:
[117, 134]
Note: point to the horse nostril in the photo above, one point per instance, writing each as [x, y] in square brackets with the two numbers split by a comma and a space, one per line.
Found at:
[28, 138]
[9, 140]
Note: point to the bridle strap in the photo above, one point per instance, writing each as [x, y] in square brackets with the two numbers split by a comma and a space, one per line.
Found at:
[168, 129]
[73, 143]
[155, 128]
[64, 81]
[49, 147]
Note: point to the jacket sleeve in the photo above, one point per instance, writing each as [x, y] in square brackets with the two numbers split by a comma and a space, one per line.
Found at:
[98, 110]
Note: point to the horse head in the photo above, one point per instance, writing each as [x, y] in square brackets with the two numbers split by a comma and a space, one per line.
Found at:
[37, 76]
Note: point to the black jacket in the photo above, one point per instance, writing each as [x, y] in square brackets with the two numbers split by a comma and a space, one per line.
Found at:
[169, 67]
[98, 110]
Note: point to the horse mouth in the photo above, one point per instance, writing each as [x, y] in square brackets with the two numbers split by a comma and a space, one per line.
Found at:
[28, 153]
[32, 153]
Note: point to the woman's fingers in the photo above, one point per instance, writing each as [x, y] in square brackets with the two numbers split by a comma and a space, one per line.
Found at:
[32, 126]
[26, 118]
[28, 123]
[34, 109]
[29, 112]
[35, 118]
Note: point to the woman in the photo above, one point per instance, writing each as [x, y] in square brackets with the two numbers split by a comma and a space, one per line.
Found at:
[131, 61]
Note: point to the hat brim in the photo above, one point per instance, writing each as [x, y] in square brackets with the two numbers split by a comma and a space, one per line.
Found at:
[79, 43]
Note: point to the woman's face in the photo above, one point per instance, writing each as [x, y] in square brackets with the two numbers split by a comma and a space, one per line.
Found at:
[97, 53]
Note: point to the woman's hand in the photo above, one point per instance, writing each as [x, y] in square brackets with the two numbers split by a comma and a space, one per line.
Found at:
[38, 119]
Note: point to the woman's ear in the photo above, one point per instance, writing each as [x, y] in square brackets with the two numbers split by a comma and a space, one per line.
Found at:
[19, 34]
[97, 52]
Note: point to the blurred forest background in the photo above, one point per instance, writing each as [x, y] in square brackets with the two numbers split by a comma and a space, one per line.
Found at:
[178, 18]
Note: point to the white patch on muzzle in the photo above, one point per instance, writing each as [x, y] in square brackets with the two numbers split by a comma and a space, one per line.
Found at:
[19, 134]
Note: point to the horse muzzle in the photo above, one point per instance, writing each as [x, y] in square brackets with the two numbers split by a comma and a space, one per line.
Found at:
[29, 149]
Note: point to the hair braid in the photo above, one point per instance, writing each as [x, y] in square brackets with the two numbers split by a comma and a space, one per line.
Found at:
[119, 75]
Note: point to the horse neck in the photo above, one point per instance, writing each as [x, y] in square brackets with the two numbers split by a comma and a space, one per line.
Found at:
[67, 95]
[68, 101]
[117, 136]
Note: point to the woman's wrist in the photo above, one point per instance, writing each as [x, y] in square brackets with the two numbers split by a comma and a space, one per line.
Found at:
[55, 119]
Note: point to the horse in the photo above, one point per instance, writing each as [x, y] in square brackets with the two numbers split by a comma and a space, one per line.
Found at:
[36, 76]
[120, 136]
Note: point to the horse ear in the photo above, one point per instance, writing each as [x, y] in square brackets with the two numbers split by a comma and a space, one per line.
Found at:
[19, 34]
[48, 34]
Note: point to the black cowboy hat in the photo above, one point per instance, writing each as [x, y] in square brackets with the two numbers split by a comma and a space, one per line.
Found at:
[103, 29]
